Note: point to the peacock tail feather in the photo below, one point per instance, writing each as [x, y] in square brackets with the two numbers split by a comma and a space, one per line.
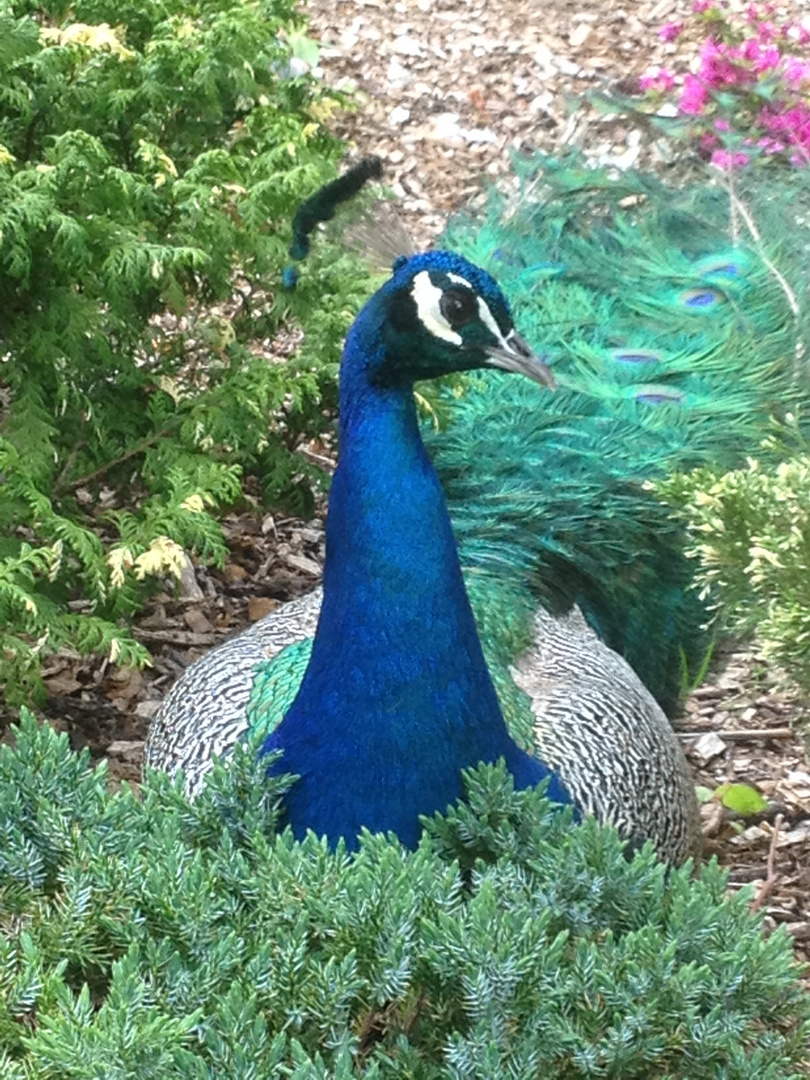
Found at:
[672, 348]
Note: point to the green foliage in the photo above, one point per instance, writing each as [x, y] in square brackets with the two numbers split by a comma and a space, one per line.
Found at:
[153, 937]
[741, 798]
[148, 174]
[750, 532]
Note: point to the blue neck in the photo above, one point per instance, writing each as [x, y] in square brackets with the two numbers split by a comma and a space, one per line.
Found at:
[397, 698]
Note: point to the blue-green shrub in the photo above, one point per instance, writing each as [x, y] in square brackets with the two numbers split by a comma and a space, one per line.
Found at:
[147, 936]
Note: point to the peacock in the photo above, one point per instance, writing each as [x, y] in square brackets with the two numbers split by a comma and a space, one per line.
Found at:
[672, 345]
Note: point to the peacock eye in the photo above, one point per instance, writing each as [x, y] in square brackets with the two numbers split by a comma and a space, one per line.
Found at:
[459, 307]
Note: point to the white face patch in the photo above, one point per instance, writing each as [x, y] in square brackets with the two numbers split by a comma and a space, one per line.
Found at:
[460, 280]
[488, 319]
[484, 313]
[427, 297]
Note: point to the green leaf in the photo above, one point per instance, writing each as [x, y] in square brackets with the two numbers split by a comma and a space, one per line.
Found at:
[304, 48]
[742, 799]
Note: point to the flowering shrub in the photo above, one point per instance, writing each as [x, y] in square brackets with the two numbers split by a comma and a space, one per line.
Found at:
[747, 93]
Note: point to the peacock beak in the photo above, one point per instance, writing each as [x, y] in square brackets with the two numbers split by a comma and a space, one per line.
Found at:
[514, 354]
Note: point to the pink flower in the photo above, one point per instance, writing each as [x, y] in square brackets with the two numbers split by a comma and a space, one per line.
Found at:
[656, 78]
[767, 31]
[793, 123]
[717, 68]
[762, 59]
[757, 48]
[708, 141]
[768, 59]
[790, 129]
[726, 160]
[796, 31]
[694, 96]
[671, 31]
[770, 146]
[796, 71]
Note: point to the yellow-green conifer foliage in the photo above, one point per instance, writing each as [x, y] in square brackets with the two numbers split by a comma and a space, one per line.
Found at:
[151, 157]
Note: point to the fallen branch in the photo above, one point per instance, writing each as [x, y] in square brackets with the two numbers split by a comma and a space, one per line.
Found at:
[63, 485]
[772, 877]
[176, 637]
[740, 734]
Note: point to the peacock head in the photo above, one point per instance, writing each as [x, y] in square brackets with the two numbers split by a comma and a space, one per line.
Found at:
[440, 314]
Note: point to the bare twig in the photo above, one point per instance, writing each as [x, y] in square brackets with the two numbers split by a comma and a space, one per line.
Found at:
[318, 459]
[771, 879]
[741, 734]
[67, 466]
[735, 224]
[739, 206]
[88, 478]
[181, 638]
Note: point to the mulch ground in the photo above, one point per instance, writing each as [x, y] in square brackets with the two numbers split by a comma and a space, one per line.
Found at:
[447, 89]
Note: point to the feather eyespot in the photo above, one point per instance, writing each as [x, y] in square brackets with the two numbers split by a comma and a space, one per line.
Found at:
[458, 306]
